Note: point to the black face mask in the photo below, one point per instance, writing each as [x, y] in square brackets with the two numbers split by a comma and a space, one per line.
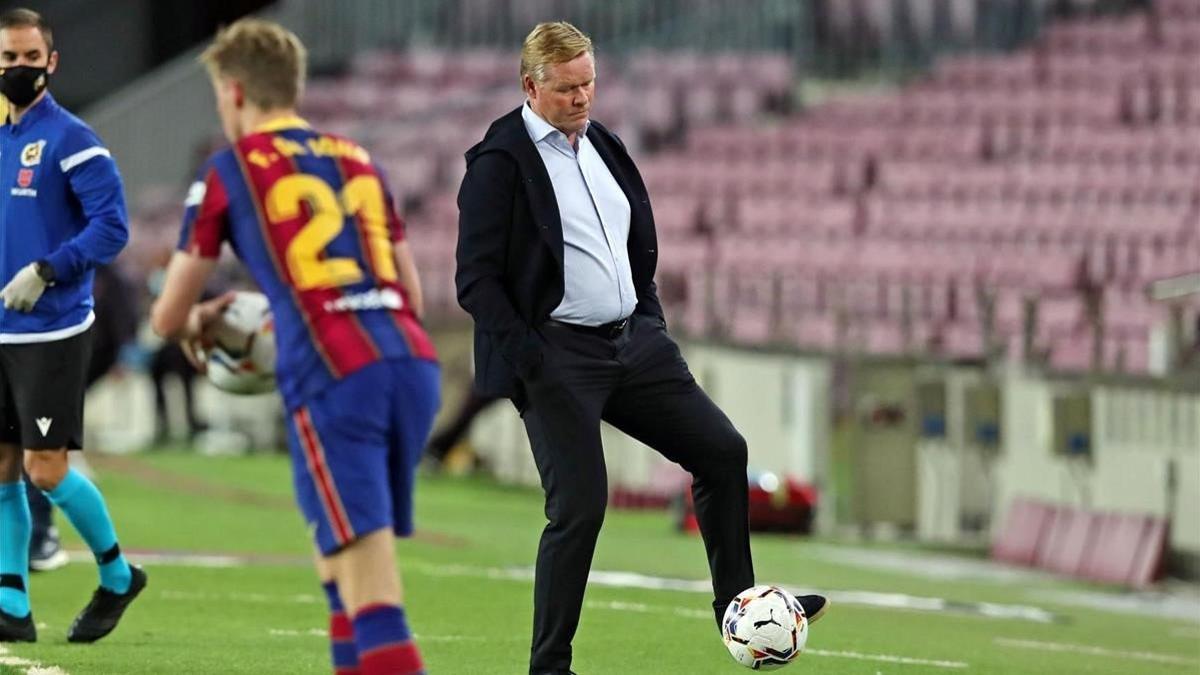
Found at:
[22, 84]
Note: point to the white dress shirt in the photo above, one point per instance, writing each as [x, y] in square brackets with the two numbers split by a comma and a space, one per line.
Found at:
[595, 222]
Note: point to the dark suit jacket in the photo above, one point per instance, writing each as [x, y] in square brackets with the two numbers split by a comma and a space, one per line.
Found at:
[510, 248]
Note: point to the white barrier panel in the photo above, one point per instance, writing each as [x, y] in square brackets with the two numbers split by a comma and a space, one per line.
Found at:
[119, 416]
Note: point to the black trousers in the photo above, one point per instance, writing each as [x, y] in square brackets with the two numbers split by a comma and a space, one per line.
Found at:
[639, 383]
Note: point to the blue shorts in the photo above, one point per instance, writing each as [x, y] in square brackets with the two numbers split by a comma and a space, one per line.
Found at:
[355, 449]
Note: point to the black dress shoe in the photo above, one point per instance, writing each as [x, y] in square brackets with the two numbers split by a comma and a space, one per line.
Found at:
[814, 606]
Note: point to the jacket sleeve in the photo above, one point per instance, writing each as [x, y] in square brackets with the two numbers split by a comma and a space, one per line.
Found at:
[484, 222]
[648, 303]
[96, 184]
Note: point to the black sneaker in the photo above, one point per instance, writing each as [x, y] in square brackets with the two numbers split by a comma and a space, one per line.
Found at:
[101, 615]
[13, 629]
[814, 606]
[47, 553]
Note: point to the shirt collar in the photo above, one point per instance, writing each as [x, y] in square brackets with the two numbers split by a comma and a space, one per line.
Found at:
[281, 123]
[538, 128]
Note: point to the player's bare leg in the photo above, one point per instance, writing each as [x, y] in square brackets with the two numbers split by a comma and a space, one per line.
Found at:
[84, 506]
[370, 589]
[16, 621]
[343, 652]
[366, 571]
[47, 468]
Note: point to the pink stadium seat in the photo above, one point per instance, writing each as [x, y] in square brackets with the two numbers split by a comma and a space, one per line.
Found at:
[1116, 550]
[1025, 525]
[675, 215]
[1127, 351]
[1150, 557]
[751, 324]
[1072, 353]
[884, 338]
[961, 340]
[1059, 316]
[1068, 541]
[1177, 9]
[812, 331]
[702, 105]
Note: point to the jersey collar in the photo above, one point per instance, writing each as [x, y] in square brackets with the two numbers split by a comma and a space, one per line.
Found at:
[33, 114]
[281, 123]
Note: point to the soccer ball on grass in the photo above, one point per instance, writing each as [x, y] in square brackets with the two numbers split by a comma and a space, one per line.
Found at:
[764, 628]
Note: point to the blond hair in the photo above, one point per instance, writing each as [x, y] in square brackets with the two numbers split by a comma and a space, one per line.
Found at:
[549, 44]
[268, 59]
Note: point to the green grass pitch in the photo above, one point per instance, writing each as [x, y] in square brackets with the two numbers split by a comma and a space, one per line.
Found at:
[469, 594]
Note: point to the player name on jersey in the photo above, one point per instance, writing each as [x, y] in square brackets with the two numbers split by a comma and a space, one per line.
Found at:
[319, 146]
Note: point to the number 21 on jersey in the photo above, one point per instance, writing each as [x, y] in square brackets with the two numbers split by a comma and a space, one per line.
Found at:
[361, 198]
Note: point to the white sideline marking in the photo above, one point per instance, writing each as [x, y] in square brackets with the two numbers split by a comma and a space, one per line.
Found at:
[159, 558]
[613, 579]
[450, 638]
[1163, 605]
[864, 598]
[296, 598]
[887, 658]
[321, 633]
[642, 608]
[34, 668]
[939, 567]
[1096, 651]
[291, 632]
[1143, 604]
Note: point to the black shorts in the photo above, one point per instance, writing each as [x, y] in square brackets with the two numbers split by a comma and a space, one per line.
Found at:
[41, 392]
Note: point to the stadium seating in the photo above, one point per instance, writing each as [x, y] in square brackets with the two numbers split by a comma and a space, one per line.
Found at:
[1118, 548]
[1068, 541]
[1024, 530]
[1045, 177]
[1002, 204]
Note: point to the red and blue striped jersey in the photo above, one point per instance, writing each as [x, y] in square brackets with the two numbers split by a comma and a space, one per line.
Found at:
[309, 215]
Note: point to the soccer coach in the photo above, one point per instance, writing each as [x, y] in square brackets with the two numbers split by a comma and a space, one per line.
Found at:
[62, 213]
[556, 257]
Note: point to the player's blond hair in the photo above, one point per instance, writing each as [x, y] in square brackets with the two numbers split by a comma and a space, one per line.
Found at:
[268, 59]
[549, 44]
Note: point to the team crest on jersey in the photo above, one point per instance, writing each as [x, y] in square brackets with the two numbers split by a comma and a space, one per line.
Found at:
[25, 177]
[32, 154]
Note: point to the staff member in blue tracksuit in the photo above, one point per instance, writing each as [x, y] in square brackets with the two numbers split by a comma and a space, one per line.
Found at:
[62, 213]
